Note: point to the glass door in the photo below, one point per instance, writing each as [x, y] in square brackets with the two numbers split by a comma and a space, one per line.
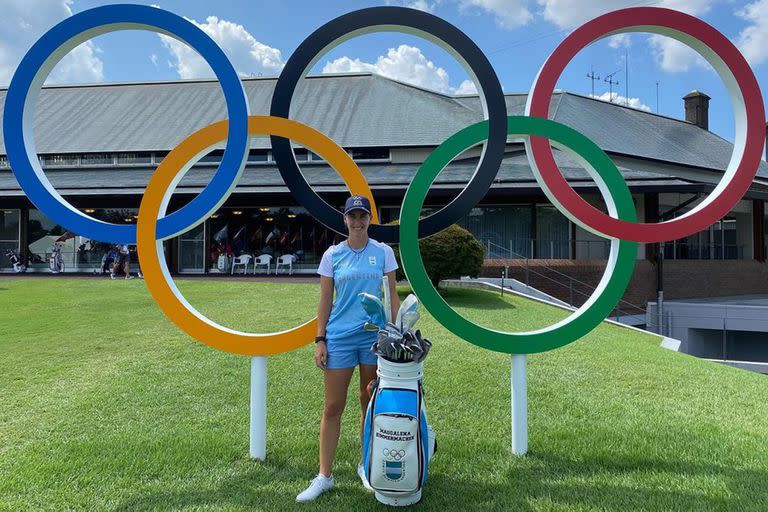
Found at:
[192, 250]
[9, 235]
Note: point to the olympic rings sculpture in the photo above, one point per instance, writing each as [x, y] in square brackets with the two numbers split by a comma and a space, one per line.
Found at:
[539, 133]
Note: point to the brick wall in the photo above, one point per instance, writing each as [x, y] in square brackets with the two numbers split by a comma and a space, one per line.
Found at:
[683, 279]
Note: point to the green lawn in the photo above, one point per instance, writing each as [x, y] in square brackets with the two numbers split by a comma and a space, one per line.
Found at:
[105, 405]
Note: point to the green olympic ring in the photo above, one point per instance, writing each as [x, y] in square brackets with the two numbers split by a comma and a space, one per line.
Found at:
[621, 260]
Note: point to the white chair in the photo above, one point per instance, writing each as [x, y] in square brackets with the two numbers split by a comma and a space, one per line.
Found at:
[263, 260]
[241, 261]
[286, 260]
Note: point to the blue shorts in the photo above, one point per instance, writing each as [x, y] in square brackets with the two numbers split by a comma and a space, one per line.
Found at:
[349, 351]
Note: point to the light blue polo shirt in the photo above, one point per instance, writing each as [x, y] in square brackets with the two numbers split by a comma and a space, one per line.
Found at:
[354, 272]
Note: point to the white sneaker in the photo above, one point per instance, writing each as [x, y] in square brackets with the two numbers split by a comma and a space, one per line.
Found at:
[129, 276]
[361, 474]
[112, 275]
[319, 485]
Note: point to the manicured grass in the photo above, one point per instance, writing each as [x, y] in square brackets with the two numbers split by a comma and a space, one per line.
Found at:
[105, 405]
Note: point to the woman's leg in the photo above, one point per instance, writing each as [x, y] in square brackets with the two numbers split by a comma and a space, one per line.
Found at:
[367, 374]
[336, 385]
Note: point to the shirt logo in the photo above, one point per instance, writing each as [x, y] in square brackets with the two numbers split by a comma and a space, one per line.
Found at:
[372, 260]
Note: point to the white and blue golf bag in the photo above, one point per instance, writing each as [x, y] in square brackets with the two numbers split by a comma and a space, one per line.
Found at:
[397, 440]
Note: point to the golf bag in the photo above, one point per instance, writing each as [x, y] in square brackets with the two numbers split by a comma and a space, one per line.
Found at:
[56, 261]
[107, 263]
[18, 266]
[397, 440]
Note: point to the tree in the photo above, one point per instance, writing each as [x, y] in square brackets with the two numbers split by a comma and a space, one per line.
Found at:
[449, 254]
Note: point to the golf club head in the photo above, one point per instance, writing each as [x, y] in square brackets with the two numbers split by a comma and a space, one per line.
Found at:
[368, 326]
[392, 330]
[374, 307]
[409, 304]
[409, 320]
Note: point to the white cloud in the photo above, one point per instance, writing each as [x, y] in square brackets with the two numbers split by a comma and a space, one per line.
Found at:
[405, 63]
[249, 56]
[570, 14]
[466, 87]
[671, 55]
[622, 100]
[753, 40]
[421, 5]
[620, 41]
[509, 14]
[153, 59]
[674, 56]
[24, 21]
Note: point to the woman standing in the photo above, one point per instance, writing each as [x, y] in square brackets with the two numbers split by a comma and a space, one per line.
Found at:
[350, 268]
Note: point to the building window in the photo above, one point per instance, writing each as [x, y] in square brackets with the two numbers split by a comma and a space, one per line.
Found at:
[727, 239]
[369, 153]
[9, 235]
[552, 233]
[258, 156]
[504, 231]
[214, 157]
[60, 160]
[192, 250]
[97, 159]
[134, 158]
[78, 253]
[272, 231]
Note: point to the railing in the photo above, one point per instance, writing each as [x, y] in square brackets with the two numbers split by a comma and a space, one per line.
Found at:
[550, 248]
[600, 249]
[563, 280]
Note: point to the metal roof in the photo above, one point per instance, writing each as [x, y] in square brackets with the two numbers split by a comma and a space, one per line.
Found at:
[354, 110]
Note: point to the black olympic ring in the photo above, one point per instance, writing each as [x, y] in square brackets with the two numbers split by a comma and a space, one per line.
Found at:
[434, 29]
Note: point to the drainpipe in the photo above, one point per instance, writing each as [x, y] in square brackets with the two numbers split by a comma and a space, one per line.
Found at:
[660, 287]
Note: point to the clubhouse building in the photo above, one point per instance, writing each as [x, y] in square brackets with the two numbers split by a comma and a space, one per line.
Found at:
[99, 144]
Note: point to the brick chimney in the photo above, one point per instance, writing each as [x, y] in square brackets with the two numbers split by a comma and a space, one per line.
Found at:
[697, 109]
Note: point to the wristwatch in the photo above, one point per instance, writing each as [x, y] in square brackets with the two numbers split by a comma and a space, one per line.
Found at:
[318, 339]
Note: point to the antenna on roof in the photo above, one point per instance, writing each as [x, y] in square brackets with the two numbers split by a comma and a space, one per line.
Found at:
[611, 82]
[592, 76]
[657, 96]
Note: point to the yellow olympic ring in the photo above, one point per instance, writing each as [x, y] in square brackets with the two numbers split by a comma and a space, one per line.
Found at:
[154, 204]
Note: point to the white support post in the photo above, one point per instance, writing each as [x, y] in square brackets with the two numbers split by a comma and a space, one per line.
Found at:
[258, 431]
[519, 405]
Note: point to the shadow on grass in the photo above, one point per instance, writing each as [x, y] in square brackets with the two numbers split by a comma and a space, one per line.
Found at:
[563, 481]
[538, 481]
[272, 485]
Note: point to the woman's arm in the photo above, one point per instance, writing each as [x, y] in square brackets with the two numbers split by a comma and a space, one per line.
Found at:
[394, 299]
[323, 313]
[325, 304]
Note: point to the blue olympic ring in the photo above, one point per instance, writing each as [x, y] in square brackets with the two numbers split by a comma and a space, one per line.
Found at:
[57, 42]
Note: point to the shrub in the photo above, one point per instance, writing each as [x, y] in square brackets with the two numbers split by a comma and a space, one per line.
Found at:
[449, 254]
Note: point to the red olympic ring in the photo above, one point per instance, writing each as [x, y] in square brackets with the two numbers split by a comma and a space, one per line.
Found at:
[748, 108]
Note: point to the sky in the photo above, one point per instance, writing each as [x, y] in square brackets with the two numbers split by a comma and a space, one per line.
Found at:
[652, 72]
